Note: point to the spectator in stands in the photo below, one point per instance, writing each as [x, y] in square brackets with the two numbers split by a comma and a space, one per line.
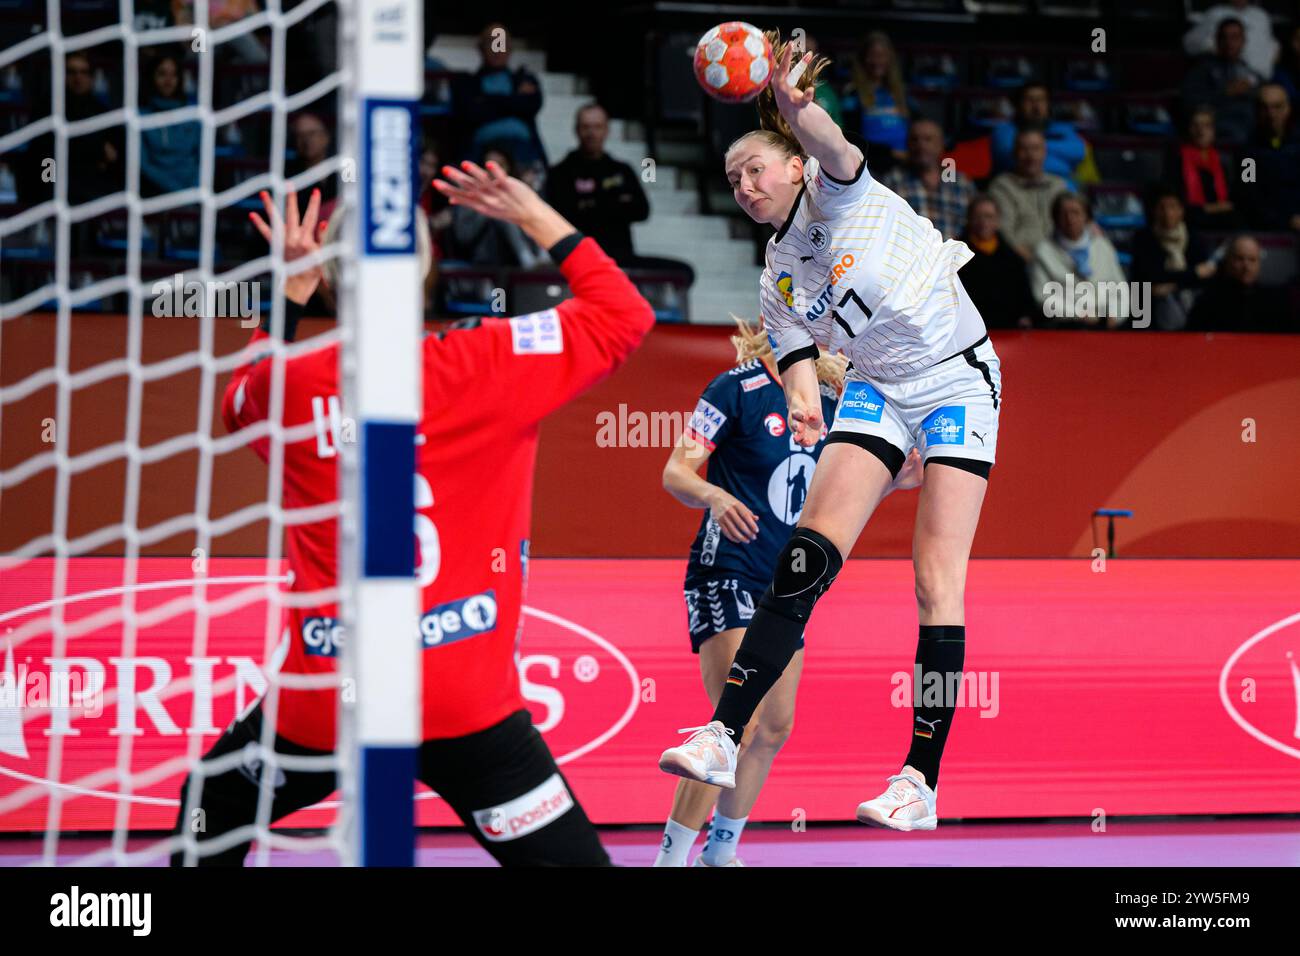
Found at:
[1275, 194]
[1226, 82]
[312, 144]
[1076, 255]
[1065, 147]
[1287, 73]
[602, 196]
[1260, 47]
[936, 193]
[1025, 195]
[1171, 257]
[483, 241]
[169, 155]
[94, 159]
[1204, 175]
[996, 279]
[1234, 301]
[876, 103]
[503, 104]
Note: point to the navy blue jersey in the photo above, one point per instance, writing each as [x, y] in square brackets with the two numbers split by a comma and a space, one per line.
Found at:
[742, 419]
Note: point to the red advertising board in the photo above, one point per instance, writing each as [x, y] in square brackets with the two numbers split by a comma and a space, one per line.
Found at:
[1150, 687]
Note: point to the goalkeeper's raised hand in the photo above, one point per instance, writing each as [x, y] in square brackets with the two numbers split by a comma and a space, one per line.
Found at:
[490, 192]
[301, 238]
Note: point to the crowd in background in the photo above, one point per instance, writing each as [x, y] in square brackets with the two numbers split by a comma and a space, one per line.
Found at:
[1030, 220]
[1026, 210]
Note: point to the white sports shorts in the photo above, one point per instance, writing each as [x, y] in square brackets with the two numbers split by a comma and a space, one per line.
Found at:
[949, 410]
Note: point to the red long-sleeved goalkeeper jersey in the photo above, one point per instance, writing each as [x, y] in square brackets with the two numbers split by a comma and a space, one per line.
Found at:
[487, 386]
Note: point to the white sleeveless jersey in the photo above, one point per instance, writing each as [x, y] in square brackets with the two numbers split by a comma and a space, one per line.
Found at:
[855, 269]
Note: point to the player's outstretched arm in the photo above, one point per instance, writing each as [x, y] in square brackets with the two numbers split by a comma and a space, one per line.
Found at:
[553, 355]
[817, 133]
[247, 397]
[490, 192]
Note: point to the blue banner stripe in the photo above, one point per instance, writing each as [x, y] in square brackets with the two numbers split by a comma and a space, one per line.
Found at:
[388, 500]
[387, 806]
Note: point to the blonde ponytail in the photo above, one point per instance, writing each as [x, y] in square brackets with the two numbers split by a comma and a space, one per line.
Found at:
[751, 342]
[769, 114]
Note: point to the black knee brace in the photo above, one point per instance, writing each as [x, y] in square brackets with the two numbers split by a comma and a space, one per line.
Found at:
[808, 564]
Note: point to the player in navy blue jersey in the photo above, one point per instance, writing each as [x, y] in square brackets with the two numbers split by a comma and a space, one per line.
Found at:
[758, 478]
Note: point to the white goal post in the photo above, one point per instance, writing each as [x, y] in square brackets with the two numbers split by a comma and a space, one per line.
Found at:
[378, 83]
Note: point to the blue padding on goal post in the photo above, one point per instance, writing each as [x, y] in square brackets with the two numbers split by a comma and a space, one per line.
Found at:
[388, 499]
[387, 806]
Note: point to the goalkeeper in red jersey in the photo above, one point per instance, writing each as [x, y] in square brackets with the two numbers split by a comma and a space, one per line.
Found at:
[488, 383]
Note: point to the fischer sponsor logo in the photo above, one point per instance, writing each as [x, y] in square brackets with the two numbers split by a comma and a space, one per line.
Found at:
[537, 808]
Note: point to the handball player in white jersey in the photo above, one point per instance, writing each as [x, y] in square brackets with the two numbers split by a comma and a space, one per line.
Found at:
[852, 268]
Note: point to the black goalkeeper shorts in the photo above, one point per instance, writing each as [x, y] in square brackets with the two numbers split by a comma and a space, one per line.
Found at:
[501, 781]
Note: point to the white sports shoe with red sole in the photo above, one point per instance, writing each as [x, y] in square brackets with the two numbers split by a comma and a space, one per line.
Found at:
[908, 804]
[708, 755]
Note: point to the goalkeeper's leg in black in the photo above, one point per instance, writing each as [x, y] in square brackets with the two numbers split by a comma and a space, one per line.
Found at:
[228, 800]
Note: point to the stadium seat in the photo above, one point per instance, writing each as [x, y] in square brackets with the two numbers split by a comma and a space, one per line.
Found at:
[1117, 207]
[1086, 74]
[1130, 159]
[1148, 117]
[933, 105]
[1077, 109]
[1069, 8]
[981, 110]
[467, 289]
[996, 6]
[934, 69]
[1007, 71]
[536, 292]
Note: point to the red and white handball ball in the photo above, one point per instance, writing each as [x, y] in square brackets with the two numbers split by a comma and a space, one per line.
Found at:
[733, 62]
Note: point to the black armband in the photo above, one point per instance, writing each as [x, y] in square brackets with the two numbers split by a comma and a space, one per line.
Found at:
[798, 355]
[560, 251]
[862, 146]
[293, 312]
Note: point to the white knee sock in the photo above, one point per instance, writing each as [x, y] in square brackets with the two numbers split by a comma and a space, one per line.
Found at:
[723, 839]
[676, 845]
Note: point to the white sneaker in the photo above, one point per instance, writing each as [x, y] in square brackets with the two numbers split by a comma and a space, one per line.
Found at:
[708, 755]
[734, 861]
[908, 804]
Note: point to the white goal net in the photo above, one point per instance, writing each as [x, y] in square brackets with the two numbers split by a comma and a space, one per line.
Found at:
[143, 577]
